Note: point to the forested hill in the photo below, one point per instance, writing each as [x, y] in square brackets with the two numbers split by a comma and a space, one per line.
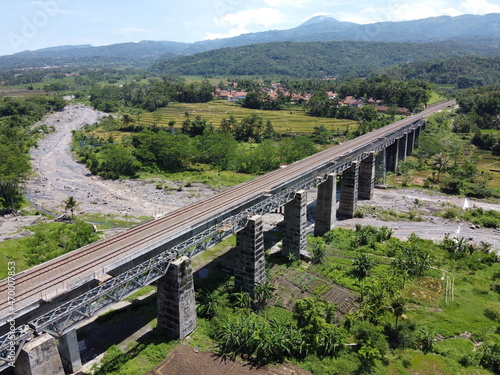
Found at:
[463, 72]
[317, 29]
[316, 59]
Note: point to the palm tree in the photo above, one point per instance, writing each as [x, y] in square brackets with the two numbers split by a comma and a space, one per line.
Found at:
[263, 292]
[398, 307]
[362, 266]
[209, 303]
[319, 252]
[70, 204]
[242, 300]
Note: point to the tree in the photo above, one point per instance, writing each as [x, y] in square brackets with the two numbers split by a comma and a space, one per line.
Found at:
[398, 307]
[14, 167]
[262, 293]
[168, 152]
[319, 251]
[362, 266]
[70, 204]
[242, 300]
[117, 160]
[441, 162]
[208, 303]
[426, 339]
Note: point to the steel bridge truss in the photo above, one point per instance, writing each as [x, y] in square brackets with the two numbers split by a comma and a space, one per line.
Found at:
[64, 318]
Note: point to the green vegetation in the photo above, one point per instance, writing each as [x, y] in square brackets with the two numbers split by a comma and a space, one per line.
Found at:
[448, 161]
[292, 120]
[17, 136]
[49, 241]
[406, 316]
[312, 59]
[156, 150]
[459, 72]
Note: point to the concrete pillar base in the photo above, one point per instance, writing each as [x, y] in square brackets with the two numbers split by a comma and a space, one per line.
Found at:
[176, 303]
[326, 206]
[70, 352]
[411, 143]
[403, 148]
[380, 167]
[250, 266]
[349, 192]
[392, 156]
[294, 238]
[39, 357]
[367, 177]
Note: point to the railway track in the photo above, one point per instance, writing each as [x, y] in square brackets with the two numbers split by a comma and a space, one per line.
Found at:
[85, 262]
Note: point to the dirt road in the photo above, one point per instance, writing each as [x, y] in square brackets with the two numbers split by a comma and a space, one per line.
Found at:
[60, 176]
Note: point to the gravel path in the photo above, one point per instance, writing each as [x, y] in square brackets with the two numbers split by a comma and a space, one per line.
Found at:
[60, 176]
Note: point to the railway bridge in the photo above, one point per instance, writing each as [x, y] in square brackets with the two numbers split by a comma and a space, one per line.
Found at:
[52, 299]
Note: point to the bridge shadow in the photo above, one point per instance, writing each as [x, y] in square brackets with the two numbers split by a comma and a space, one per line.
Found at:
[153, 342]
[217, 272]
[132, 322]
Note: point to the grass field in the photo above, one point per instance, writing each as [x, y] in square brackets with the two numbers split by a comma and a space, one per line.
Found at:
[19, 91]
[292, 119]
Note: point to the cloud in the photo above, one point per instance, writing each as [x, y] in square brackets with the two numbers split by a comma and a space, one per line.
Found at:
[402, 11]
[246, 21]
[262, 17]
[479, 7]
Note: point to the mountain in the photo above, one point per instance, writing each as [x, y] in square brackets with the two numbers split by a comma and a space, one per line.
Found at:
[325, 29]
[140, 54]
[316, 59]
[317, 29]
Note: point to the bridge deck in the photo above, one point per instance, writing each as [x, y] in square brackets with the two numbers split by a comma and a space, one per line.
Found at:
[83, 265]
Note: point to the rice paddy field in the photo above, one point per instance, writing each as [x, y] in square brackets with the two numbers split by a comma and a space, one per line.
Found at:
[293, 119]
[491, 164]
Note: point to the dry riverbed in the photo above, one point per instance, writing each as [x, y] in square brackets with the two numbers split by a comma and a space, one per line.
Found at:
[58, 176]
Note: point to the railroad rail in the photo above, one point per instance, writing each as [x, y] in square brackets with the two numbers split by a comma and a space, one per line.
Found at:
[186, 231]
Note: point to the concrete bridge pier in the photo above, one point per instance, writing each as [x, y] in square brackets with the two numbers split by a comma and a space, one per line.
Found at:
[349, 191]
[176, 303]
[326, 206]
[418, 131]
[250, 267]
[392, 156]
[367, 177]
[380, 167]
[70, 352]
[411, 143]
[294, 236]
[403, 148]
[39, 357]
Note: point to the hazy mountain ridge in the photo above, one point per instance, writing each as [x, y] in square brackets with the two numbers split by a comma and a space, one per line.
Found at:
[317, 29]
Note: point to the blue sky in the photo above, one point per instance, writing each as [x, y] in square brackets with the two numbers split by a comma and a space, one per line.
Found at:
[34, 24]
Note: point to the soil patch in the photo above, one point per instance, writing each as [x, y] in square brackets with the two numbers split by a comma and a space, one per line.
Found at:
[185, 360]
